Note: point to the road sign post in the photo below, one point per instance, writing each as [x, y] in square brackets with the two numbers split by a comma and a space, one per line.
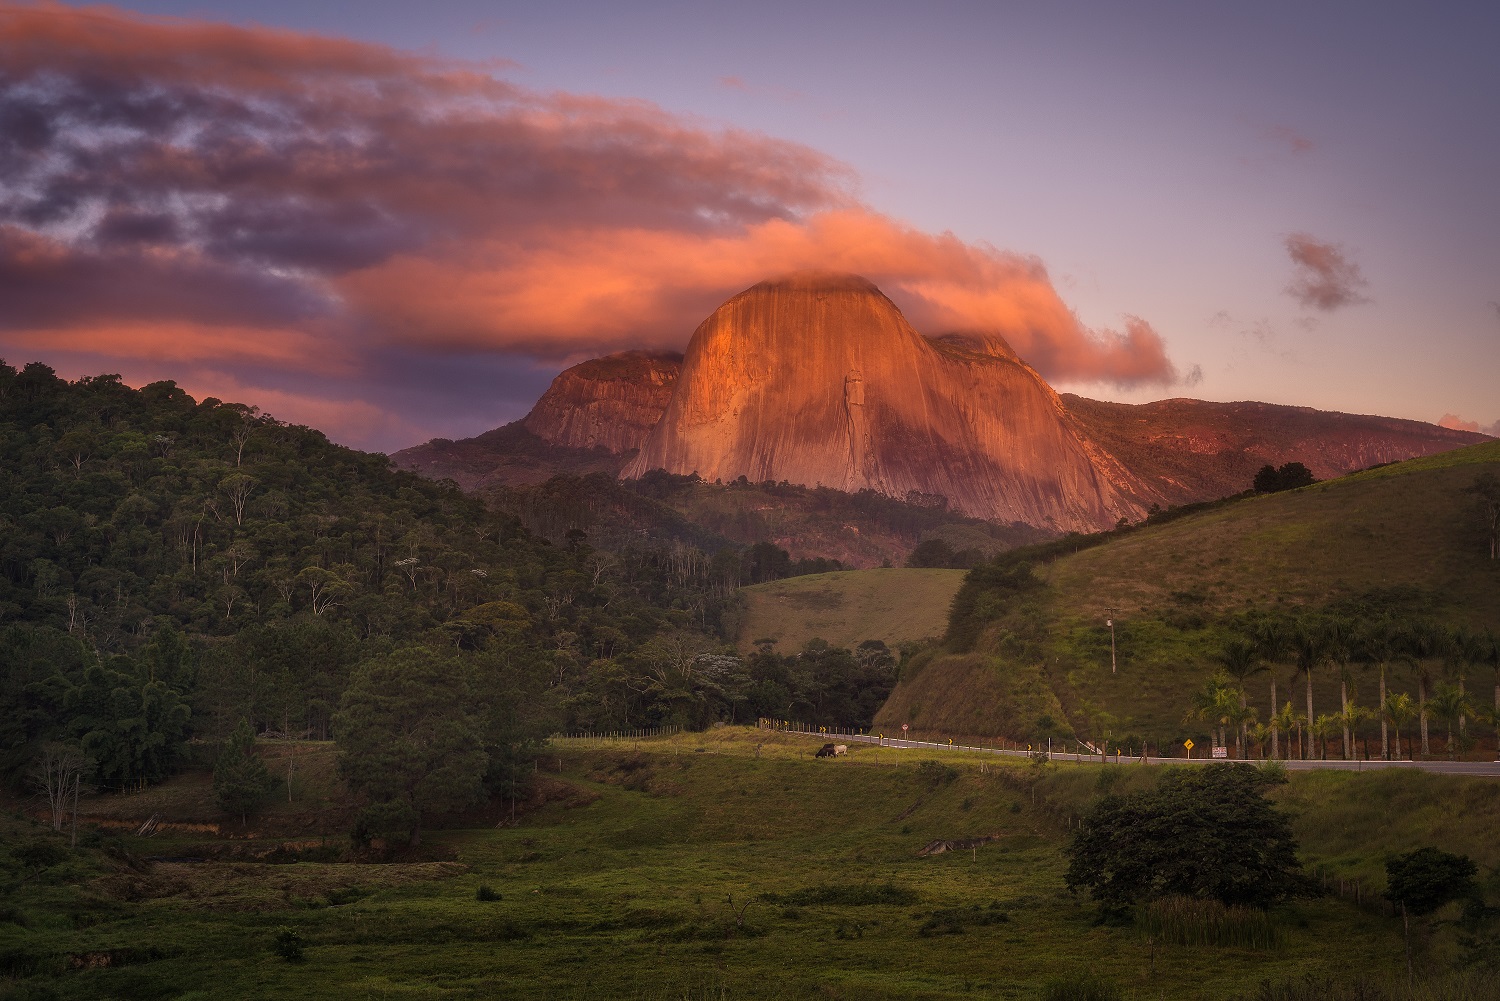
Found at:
[1189, 745]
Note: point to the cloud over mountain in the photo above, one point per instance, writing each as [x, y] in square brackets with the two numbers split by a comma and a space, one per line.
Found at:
[195, 193]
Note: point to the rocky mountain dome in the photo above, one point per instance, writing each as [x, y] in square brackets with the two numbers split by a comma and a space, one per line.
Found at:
[818, 379]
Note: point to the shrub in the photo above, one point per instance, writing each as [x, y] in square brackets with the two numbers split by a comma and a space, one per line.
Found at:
[486, 894]
[288, 944]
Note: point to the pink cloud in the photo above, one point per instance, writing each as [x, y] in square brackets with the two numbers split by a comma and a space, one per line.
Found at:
[1457, 423]
[1324, 278]
[253, 199]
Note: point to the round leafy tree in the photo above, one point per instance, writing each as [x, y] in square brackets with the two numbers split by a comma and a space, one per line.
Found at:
[1201, 832]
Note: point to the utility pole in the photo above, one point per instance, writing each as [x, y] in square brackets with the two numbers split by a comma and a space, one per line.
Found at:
[1110, 621]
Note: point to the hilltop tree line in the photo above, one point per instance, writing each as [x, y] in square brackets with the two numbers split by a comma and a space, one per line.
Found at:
[170, 568]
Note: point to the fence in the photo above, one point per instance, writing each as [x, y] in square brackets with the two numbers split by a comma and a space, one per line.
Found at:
[616, 736]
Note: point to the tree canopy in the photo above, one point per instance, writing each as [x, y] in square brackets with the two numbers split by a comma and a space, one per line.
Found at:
[1204, 832]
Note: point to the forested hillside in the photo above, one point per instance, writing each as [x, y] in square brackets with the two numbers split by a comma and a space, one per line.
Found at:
[170, 567]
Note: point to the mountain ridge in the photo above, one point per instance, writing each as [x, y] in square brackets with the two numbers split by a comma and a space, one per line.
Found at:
[817, 378]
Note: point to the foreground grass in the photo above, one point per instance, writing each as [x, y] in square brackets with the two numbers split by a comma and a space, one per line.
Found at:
[729, 864]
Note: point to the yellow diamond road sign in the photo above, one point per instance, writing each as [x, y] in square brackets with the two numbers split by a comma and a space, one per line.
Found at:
[1188, 743]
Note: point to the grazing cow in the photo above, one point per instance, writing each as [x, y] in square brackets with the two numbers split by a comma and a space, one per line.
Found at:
[826, 751]
[840, 748]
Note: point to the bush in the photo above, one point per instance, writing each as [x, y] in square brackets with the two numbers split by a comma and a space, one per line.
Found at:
[288, 944]
[486, 894]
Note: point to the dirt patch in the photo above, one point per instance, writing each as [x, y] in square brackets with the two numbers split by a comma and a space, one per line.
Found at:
[940, 846]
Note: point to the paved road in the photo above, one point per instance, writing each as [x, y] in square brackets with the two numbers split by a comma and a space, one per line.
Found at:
[1490, 768]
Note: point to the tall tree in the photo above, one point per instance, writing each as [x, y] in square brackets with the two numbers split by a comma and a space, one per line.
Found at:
[241, 779]
[411, 740]
[1240, 658]
[1273, 641]
[1421, 881]
[1309, 641]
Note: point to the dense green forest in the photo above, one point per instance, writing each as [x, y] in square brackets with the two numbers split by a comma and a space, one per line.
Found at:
[170, 567]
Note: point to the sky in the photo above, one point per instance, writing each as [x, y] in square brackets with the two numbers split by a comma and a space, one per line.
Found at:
[397, 221]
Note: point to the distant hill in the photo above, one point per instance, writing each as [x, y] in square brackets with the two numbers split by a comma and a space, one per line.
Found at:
[1404, 537]
[893, 606]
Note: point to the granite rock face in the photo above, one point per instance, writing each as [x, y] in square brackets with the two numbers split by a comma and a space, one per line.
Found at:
[611, 402]
[818, 379]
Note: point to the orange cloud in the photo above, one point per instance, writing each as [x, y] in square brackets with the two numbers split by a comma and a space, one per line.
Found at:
[189, 192]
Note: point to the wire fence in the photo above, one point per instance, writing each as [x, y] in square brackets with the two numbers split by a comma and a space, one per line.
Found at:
[616, 736]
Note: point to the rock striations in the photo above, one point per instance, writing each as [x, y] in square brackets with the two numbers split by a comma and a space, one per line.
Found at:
[818, 379]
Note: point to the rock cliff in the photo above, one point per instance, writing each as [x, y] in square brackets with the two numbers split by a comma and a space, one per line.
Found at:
[611, 402]
[818, 379]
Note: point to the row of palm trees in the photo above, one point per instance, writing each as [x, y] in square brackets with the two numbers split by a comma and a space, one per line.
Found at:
[1310, 644]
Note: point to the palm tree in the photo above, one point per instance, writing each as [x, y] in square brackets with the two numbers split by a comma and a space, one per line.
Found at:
[1461, 649]
[1217, 702]
[1308, 643]
[1260, 733]
[1271, 643]
[1396, 709]
[1286, 720]
[1240, 717]
[1379, 644]
[1324, 729]
[1449, 703]
[1240, 658]
[1421, 643]
[1342, 650]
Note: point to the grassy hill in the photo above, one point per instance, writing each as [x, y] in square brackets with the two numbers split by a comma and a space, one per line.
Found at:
[727, 864]
[894, 606]
[1405, 537]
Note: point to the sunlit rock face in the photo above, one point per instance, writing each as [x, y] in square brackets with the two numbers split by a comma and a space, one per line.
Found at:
[818, 379]
[611, 402]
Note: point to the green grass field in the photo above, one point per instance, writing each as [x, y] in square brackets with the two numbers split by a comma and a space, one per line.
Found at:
[1408, 526]
[894, 606]
[729, 864]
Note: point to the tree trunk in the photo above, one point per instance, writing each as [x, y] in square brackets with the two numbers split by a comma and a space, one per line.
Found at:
[1461, 720]
[1422, 711]
[1310, 716]
[1385, 736]
[1275, 733]
[1344, 701]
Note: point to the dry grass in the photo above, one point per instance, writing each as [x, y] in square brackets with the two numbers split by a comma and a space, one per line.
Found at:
[894, 606]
